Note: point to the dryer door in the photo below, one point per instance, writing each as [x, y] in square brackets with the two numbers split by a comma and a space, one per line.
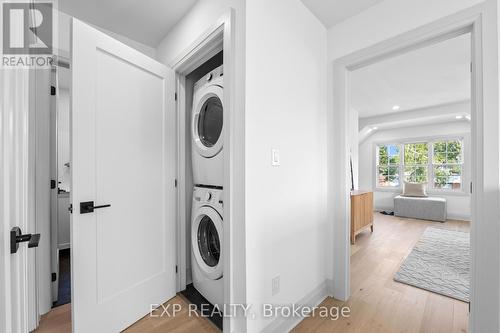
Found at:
[207, 121]
[206, 240]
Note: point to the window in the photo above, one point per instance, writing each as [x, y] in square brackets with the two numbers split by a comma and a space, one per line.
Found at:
[438, 163]
[416, 159]
[388, 165]
[447, 164]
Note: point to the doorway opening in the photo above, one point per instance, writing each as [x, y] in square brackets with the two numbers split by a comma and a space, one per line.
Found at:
[60, 171]
[410, 147]
[202, 182]
[340, 123]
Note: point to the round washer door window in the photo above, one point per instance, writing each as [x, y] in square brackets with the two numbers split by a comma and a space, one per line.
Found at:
[210, 121]
[207, 241]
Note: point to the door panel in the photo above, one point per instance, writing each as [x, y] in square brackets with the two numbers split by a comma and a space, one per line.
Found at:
[122, 155]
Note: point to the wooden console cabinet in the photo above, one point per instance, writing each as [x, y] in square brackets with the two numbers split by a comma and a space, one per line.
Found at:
[361, 212]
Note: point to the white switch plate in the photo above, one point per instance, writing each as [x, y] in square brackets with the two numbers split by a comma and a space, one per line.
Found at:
[275, 157]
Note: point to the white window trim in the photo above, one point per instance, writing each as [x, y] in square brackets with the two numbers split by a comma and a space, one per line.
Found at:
[377, 165]
[430, 165]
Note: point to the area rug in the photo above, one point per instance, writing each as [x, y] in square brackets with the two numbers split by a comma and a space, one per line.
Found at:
[439, 262]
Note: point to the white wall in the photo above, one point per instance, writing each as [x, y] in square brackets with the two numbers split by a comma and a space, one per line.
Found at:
[286, 110]
[458, 204]
[200, 18]
[388, 19]
[63, 222]
[354, 145]
[391, 18]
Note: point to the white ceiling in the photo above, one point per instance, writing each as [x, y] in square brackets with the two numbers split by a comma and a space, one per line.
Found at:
[331, 12]
[434, 75]
[145, 21]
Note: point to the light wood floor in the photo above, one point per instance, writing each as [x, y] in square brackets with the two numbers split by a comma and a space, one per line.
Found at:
[379, 304]
[59, 321]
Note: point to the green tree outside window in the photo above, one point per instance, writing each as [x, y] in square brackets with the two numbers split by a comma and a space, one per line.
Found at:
[447, 164]
[416, 159]
[388, 165]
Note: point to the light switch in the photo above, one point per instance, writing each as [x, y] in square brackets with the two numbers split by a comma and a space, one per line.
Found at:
[275, 157]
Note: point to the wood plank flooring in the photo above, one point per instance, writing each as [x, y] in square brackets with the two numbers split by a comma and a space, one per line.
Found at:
[378, 303]
[59, 321]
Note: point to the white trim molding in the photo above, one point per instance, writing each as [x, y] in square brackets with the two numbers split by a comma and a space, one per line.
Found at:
[16, 204]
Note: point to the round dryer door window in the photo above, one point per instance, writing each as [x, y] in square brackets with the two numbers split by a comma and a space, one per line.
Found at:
[207, 123]
[210, 121]
[206, 238]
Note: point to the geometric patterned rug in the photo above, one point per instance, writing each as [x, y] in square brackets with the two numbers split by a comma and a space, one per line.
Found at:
[439, 262]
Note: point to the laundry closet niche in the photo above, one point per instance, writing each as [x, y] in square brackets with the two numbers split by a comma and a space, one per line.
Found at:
[190, 80]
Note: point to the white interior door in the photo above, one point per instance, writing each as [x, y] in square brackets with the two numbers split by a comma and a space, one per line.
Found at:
[123, 156]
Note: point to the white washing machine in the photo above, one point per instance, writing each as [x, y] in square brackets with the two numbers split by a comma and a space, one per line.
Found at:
[207, 129]
[206, 244]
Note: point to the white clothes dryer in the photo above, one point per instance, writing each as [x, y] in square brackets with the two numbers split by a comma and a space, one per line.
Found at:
[207, 129]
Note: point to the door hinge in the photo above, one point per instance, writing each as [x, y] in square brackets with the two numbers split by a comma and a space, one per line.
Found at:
[175, 96]
[52, 184]
[54, 277]
[471, 67]
[470, 187]
[70, 208]
[176, 269]
[175, 182]
[52, 90]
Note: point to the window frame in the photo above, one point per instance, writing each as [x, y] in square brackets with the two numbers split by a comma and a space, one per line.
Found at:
[430, 164]
[377, 165]
[403, 165]
[460, 164]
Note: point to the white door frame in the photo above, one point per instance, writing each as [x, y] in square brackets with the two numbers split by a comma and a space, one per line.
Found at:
[220, 36]
[480, 22]
[16, 205]
[197, 54]
[54, 221]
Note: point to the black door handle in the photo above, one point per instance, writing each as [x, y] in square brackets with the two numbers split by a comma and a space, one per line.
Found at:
[88, 207]
[17, 237]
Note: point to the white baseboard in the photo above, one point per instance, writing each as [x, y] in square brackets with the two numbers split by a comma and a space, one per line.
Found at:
[380, 209]
[314, 298]
[460, 217]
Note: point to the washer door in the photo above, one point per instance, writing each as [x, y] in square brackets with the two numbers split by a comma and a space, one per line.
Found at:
[206, 240]
[208, 121]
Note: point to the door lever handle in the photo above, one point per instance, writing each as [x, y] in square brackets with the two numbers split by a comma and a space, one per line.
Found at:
[88, 207]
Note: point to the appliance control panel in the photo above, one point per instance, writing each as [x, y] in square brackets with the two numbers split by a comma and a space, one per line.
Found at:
[213, 197]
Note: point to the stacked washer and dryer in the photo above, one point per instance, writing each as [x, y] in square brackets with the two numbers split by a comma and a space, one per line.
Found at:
[208, 175]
